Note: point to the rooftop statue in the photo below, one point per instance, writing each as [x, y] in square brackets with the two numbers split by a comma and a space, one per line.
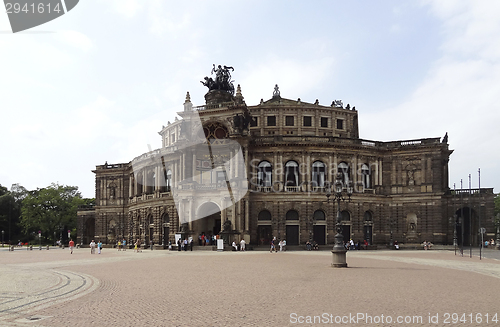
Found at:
[276, 93]
[222, 80]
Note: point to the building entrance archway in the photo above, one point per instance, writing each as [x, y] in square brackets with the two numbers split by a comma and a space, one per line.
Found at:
[210, 223]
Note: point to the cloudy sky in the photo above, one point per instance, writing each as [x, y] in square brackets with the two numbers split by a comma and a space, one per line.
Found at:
[98, 83]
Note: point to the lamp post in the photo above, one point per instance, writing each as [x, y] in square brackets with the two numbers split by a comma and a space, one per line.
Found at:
[3, 232]
[339, 251]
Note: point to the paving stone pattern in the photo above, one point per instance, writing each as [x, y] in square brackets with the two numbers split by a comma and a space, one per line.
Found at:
[256, 288]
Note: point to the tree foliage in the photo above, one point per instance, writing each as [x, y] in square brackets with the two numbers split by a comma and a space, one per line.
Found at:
[497, 204]
[51, 210]
[10, 211]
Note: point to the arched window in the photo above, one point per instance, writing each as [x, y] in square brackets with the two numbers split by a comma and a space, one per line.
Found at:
[214, 132]
[132, 189]
[292, 215]
[319, 215]
[264, 215]
[343, 168]
[291, 173]
[164, 218]
[150, 220]
[368, 217]
[264, 174]
[345, 216]
[318, 174]
[150, 182]
[366, 173]
[165, 180]
[169, 180]
[139, 184]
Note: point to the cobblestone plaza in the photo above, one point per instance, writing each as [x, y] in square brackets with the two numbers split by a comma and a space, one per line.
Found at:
[254, 288]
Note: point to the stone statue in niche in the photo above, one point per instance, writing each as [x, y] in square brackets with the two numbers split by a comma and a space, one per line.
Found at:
[411, 177]
[241, 122]
[112, 191]
[227, 226]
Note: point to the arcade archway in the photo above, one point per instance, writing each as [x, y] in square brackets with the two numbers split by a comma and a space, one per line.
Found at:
[209, 222]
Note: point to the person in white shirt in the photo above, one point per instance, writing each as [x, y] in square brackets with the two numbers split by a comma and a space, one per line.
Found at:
[92, 247]
[242, 245]
[235, 246]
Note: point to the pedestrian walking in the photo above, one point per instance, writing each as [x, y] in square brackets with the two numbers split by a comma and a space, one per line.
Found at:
[99, 247]
[92, 247]
[71, 245]
[124, 244]
[273, 247]
[242, 245]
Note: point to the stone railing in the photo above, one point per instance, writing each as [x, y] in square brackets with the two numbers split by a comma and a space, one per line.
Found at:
[472, 191]
[345, 141]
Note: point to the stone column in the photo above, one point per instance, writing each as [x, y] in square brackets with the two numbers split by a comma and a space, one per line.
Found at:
[183, 166]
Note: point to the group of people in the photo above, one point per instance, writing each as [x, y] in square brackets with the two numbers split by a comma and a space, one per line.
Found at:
[204, 240]
[93, 246]
[280, 243]
[121, 245]
[242, 245]
[351, 245]
[312, 245]
[489, 243]
[427, 245]
[183, 245]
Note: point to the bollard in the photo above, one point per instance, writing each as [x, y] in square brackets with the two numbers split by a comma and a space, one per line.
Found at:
[47, 247]
[11, 248]
[31, 247]
[40, 248]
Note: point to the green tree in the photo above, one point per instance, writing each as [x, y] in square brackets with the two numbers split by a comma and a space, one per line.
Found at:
[10, 211]
[497, 204]
[51, 210]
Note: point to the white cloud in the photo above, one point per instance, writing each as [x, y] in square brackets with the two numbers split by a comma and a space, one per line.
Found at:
[126, 8]
[95, 121]
[293, 77]
[471, 27]
[459, 94]
[164, 20]
[76, 39]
